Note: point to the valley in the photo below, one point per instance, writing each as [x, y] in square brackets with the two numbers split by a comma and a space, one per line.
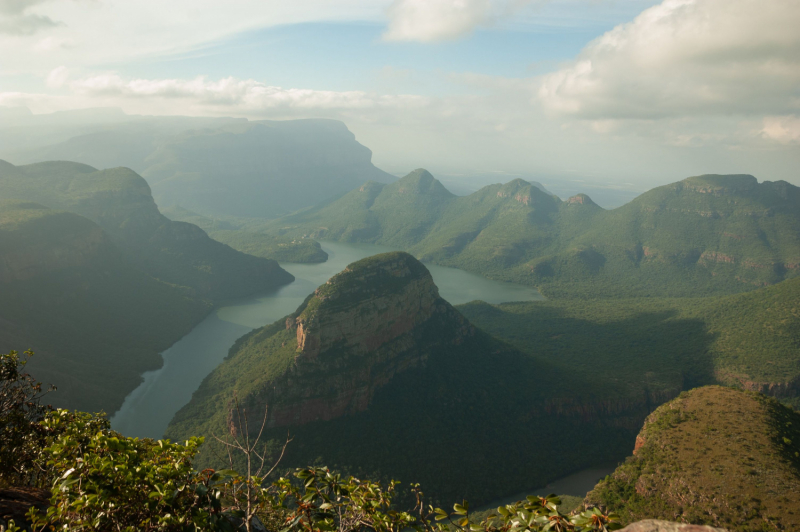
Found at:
[148, 410]
[400, 265]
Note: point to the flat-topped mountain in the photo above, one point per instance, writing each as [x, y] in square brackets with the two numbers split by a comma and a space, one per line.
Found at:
[375, 374]
[700, 236]
[95, 321]
[119, 201]
[713, 456]
[221, 167]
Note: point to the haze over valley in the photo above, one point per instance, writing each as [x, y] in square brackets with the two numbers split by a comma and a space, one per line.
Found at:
[374, 266]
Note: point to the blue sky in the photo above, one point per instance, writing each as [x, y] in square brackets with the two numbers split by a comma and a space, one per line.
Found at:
[628, 92]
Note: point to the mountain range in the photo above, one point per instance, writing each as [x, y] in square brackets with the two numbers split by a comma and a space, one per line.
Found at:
[704, 235]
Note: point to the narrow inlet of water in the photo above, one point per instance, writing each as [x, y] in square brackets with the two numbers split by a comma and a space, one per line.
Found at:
[148, 410]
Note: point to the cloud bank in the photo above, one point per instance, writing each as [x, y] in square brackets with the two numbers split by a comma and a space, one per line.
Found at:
[686, 58]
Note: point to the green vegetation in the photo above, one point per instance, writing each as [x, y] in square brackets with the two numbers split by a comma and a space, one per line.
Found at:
[119, 201]
[408, 400]
[100, 480]
[105, 283]
[649, 345]
[704, 235]
[713, 456]
[98, 321]
[244, 235]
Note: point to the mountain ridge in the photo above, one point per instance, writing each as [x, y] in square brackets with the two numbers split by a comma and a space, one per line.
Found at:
[119, 200]
[703, 235]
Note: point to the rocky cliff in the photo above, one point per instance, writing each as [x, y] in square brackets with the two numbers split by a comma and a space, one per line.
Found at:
[379, 317]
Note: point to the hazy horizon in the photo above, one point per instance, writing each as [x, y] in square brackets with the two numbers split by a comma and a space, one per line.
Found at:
[615, 95]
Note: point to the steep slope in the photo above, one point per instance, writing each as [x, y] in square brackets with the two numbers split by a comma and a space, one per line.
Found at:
[399, 214]
[713, 456]
[376, 375]
[701, 236]
[119, 201]
[95, 322]
[749, 340]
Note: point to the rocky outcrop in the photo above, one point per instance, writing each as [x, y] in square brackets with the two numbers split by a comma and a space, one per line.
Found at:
[379, 317]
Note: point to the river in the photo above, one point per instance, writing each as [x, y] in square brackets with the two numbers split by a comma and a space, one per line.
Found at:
[148, 409]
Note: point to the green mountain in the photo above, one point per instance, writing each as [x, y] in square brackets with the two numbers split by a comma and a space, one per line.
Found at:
[95, 321]
[700, 236]
[713, 456]
[245, 235]
[119, 201]
[376, 375]
[217, 167]
[749, 340]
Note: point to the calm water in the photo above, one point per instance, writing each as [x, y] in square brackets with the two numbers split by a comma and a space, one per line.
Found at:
[148, 410]
[577, 485]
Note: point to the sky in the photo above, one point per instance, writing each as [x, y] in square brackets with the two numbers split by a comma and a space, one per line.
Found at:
[618, 93]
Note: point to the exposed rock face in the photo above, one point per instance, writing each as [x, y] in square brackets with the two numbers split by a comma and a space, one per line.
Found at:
[377, 318]
[653, 525]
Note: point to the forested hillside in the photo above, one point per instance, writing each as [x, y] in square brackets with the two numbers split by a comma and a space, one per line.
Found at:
[749, 340]
[700, 236]
[376, 375]
[119, 201]
[95, 321]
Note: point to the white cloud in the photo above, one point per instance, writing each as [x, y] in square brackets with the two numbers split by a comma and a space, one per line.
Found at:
[48, 44]
[444, 20]
[435, 20]
[26, 24]
[58, 77]
[114, 31]
[227, 95]
[17, 7]
[784, 129]
[686, 58]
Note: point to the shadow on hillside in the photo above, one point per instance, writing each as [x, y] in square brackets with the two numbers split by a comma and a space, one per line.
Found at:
[611, 343]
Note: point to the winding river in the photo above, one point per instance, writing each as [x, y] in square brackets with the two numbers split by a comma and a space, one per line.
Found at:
[148, 410]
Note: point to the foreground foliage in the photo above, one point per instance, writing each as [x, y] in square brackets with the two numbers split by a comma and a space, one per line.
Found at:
[102, 480]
